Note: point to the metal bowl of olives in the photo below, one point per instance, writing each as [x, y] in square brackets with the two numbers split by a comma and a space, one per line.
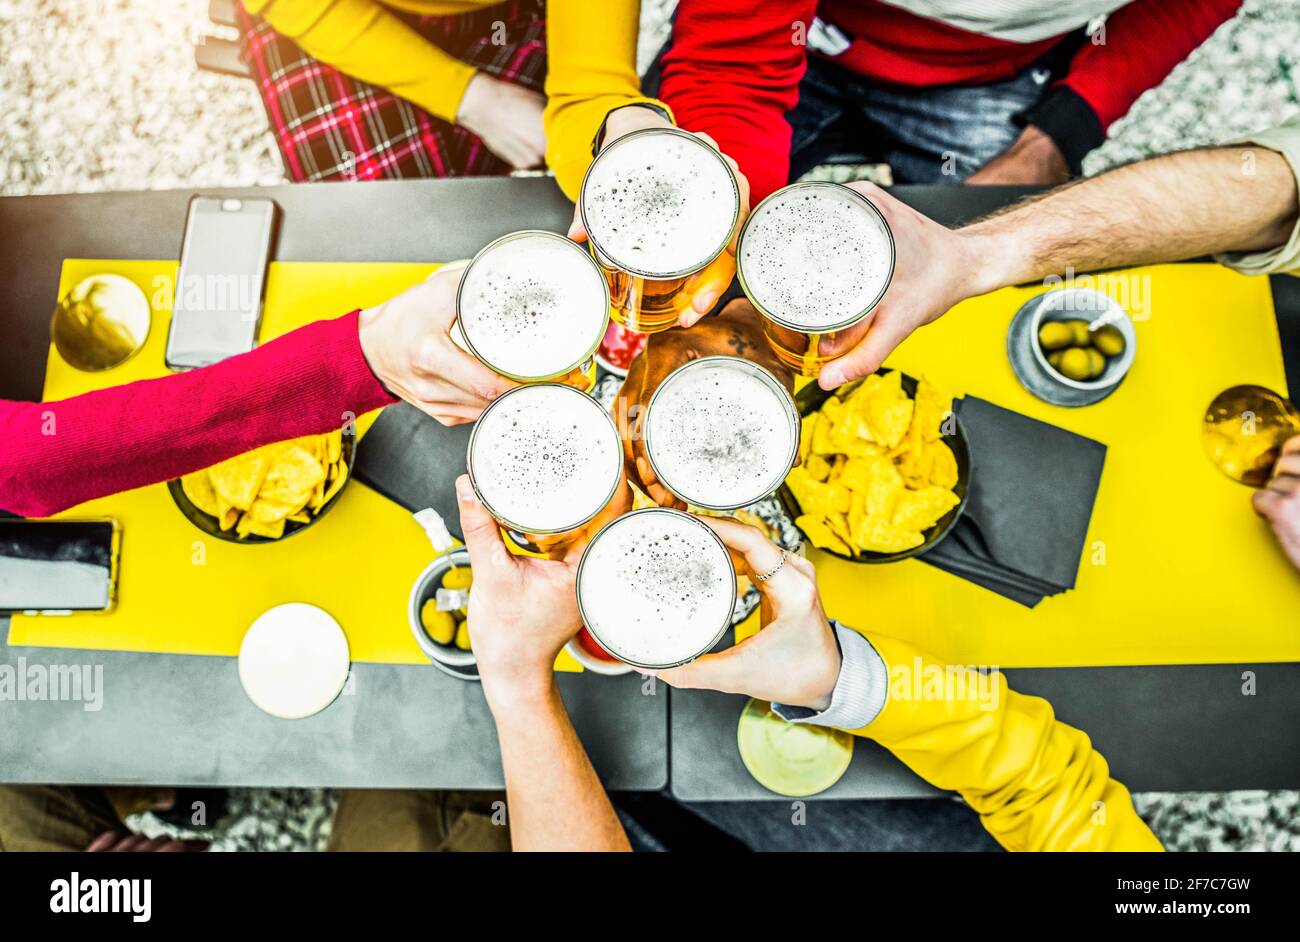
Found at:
[447, 571]
[1083, 338]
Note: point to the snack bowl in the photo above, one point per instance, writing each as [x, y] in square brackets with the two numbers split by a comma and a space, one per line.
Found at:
[446, 657]
[212, 526]
[811, 398]
[1098, 310]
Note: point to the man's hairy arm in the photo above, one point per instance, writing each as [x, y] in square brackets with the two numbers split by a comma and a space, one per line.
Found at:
[1184, 205]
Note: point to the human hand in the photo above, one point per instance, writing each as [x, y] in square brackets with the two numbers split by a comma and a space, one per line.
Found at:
[716, 278]
[407, 343]
[737, 331]
[934, 268]
[794, 659]
[1033, 158]
[1279, 501]
[522, 609]
[507, 117]
[125, 841]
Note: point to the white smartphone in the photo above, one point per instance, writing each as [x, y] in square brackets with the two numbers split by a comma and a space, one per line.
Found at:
[217, 302]
[54, 567]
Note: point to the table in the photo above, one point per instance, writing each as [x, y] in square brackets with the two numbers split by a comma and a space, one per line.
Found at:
[184, 720]
[1161, 728]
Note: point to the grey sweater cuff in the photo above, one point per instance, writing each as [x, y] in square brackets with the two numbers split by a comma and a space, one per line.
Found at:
[859, 693]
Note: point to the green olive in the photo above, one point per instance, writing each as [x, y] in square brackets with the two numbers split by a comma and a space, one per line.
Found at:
[1055, 335]
[1074, 364]
[439, 626]
[1081, 335]
[1096, 363]
[462, 636]
[1109, 340]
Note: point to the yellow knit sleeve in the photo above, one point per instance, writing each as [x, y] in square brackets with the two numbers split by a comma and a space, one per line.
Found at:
[365, 40]
[1036, 783]
[591, 50]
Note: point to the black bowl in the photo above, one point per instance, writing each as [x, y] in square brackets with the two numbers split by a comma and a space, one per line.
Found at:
[212, 527]
[810, 399]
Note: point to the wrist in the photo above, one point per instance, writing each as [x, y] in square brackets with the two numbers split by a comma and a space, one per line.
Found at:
[629, 118]
[478, 92]
[514, 691]
[990, 257]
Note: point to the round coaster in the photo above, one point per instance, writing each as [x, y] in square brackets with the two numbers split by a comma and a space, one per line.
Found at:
[1020, 340]
[792, 759]
[294, 661]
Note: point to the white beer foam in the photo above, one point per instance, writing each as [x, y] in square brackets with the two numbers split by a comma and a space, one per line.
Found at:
[656, 587]
[659, 203]
[533, 306]
[545, 458]
[720, 435]
[815, 256]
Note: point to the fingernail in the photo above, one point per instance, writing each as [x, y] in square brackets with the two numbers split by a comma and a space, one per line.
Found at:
[463, 489]
[829, 378]
[704, 303]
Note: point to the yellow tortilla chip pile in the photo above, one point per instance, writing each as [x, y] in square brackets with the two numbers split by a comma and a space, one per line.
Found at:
[259, 492]
[875, 473]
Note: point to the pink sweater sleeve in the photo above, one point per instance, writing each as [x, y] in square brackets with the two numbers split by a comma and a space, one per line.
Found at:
[58, 454]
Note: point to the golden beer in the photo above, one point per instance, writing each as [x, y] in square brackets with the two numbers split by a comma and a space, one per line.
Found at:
[660, 207]
[814, 259]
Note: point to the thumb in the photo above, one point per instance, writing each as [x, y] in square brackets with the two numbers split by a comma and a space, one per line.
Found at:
[482, 534]
[864, 359]
[723, 671]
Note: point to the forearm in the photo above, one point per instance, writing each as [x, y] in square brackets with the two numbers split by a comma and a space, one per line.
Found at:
[1161, 210]
[555, 800]
[63, 453]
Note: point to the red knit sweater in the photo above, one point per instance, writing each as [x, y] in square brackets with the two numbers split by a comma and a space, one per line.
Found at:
[734, 66]
[58, 454]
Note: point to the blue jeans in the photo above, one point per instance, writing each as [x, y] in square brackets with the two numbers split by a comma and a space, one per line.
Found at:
[926, 135]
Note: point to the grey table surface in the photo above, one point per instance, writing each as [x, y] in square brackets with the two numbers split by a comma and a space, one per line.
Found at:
[184, 720]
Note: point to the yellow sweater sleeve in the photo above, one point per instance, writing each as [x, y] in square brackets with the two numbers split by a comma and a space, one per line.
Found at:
[591, 49]
[1036, 783]
[365, 40]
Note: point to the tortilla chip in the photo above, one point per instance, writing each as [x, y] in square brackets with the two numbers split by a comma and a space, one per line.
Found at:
[933, 405]
[819, 469]
[249, 526]
[239, 479]
[292, 476]
[265, 510]
[920, 510]
[333, 446]
[336, 485]
[876, 537]
[821, 535]
[198, 488]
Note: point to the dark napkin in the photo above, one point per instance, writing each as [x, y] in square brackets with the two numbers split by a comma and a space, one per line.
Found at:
[414, 461]
[1032, 490]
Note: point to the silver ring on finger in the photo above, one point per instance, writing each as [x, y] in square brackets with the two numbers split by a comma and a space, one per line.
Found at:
[774, 570]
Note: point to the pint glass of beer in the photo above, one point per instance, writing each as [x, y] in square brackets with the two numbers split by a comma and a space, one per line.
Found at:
[721, 433]
[533, 306]
[547, 462]
[659, 207]
[656, 588]
[814, 259]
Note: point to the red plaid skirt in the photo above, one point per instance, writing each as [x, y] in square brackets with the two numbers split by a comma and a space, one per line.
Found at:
[329, 126]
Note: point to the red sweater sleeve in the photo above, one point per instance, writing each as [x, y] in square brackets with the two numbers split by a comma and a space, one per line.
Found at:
[1143, 42]
[733, 72]
[58, 454]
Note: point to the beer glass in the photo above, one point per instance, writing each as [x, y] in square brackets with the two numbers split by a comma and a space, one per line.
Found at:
[533, 306]
[721, 432]
[660, 207]
[547, 461]
[656, 588]
[814, 259]
[1244, 429]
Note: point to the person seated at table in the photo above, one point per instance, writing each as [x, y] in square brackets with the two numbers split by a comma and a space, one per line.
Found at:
[943, 90]
[313, 379]
[1238, 203]
[370, 89]
[523, 610]
[1036, 783]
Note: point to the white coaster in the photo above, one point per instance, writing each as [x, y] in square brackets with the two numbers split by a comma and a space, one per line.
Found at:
[294, 661]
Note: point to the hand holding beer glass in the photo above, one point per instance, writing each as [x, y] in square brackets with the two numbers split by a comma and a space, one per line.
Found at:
[661, 209]
[794, 659]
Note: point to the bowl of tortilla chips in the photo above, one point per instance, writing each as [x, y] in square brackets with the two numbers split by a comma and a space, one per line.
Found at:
[270, 492]
[884, 468]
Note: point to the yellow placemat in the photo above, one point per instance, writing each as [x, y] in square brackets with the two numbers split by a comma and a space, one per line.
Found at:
[1176, 568]
[182, 592]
